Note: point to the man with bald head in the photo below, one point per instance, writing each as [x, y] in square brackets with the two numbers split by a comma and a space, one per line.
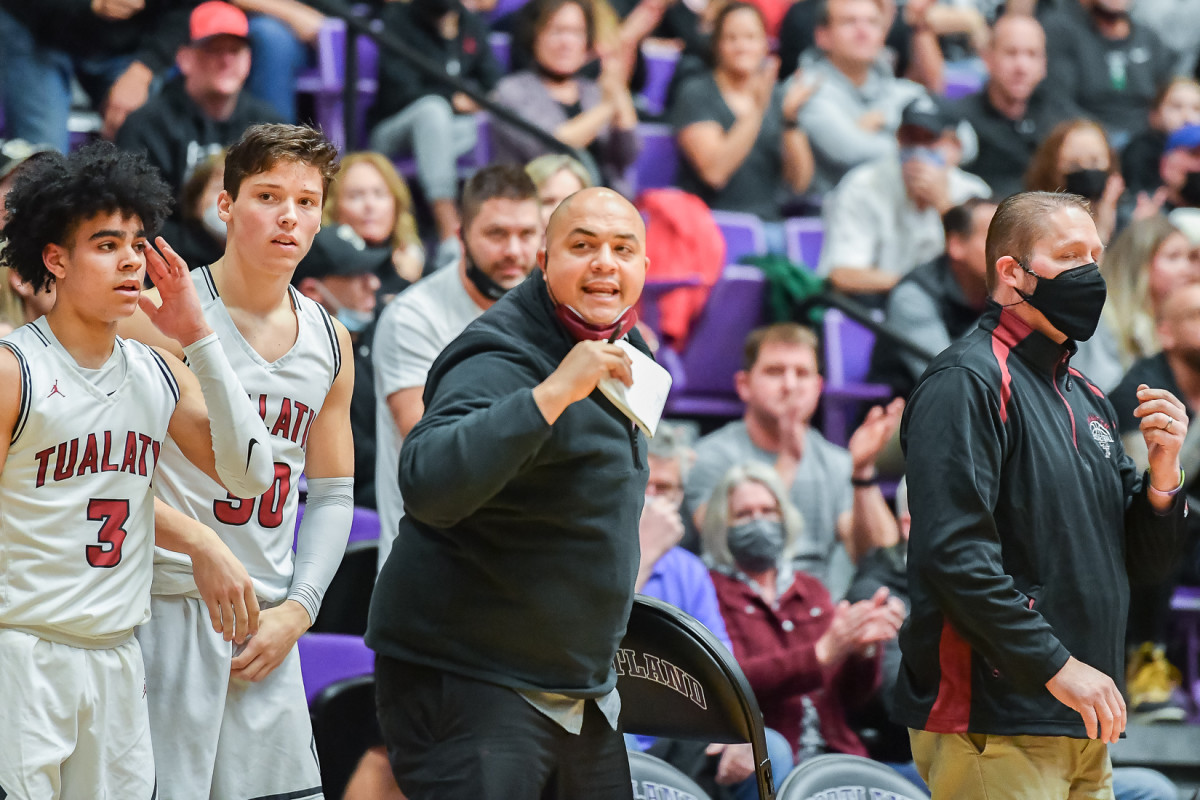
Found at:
[1016, 109]
[500, 608]
[1028, 522]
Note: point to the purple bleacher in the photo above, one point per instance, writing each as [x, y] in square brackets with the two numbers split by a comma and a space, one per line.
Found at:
[660, 68]
[805, 236]
[703, 372]
[962, 80]
[501, 47]
[503, 8]
[652, 293]
[658, 159]
[364, 525]
[1185, 605]
[324, 82]
[326, 658]
[847, 349]
[468, 163]
[743, 234]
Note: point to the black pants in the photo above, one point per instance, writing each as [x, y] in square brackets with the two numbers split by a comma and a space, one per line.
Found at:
[453, 738]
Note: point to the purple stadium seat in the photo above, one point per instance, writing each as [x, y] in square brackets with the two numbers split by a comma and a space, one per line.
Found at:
[501, 44]
[468, 163]
[363, 527]
[653, 291]
[847, 350]
[503, 8]
[324, 82]
[962, 80]
[743, 234]
[658, 160]
[1185, 604]
[703, 372]
[660, 67]
[804, 236]
[326, 658]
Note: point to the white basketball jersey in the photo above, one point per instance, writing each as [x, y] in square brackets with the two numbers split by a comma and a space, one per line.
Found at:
[76, 503]
[288, 393]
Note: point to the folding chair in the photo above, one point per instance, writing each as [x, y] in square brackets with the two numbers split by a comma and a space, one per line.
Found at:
[348, 598]
[655, 778]
[326, 658]
[677, 680]
[344, 727]
[838, 775]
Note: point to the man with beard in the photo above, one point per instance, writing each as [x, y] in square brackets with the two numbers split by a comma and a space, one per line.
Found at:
[1109, 65]
[500, 233]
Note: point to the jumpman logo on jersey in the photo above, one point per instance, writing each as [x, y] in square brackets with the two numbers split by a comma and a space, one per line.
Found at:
[56, 391]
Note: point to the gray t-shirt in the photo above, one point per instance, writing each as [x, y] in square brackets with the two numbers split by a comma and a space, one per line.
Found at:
[755, 186]
[821, 491]
[412, 331]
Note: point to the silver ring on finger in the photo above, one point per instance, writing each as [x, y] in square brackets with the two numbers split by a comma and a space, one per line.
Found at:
[1170, 422]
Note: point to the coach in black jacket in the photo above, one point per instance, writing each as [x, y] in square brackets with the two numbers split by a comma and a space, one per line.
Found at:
[1028, 522]
[499, 610]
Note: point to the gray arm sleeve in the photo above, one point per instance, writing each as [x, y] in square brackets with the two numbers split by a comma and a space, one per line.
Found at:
[240, 441]
[321, 540]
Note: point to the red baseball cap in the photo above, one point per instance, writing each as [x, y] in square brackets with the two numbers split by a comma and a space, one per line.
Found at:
[217, 18]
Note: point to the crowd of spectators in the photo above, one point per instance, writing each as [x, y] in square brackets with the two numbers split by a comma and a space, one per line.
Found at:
[840, 109]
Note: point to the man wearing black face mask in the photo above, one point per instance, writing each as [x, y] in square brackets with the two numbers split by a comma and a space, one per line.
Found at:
[1028, 520]
[1109, 65]
[1179, 169]
[500, 237]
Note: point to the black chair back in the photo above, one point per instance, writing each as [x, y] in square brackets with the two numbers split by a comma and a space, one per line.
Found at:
[348, 598]
[677, 680]
[344, 727]
[653, 777]
[838, 775]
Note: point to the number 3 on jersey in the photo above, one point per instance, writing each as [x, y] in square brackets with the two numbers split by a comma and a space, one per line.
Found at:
[238, 511]
[113, 515]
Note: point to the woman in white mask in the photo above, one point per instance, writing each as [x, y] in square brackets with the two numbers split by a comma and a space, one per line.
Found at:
[806, 659]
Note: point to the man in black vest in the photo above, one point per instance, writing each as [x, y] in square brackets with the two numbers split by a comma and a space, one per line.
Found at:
[939, 301]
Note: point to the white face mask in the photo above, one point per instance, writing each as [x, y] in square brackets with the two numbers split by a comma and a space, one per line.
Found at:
[213, 223]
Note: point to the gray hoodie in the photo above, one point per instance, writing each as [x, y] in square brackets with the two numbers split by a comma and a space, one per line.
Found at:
[831, 116]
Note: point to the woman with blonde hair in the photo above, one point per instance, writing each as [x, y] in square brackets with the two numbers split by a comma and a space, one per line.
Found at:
[556, 177]
[1148, 261]
[373, 199]
[807, 660]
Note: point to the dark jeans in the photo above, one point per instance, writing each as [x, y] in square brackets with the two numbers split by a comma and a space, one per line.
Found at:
[453, 738]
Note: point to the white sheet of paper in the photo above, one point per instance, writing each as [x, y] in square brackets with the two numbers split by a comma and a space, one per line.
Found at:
[644, 401]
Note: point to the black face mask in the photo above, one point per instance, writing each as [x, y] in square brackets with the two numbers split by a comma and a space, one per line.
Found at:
[1189, 193]
[1087, 183]
[1071, 302]
[480, 279]
[756, 545]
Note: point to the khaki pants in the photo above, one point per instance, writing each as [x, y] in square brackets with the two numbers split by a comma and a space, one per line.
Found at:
[976, 765]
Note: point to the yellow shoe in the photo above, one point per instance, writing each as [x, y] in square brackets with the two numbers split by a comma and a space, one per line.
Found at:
[1151, 682]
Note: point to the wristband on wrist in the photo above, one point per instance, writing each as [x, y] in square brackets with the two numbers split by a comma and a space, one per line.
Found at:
[862, 483]
[1170, 493]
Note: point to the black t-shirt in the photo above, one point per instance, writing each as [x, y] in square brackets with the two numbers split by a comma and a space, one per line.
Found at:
[1113, 80]
[1007, 146]
[754, 187]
